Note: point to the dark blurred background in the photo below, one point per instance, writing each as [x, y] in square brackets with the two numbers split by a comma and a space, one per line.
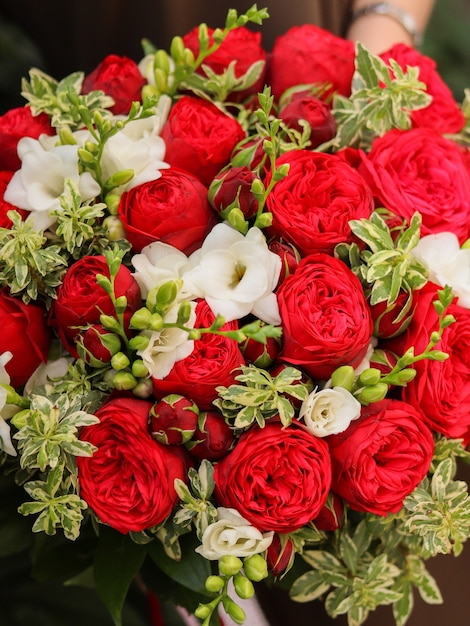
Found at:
[68, 35]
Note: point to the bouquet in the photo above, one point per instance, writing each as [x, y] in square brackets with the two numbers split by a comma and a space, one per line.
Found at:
[234, 302]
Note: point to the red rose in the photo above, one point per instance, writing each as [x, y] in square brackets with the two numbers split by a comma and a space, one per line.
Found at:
[128, 481]
[234, 185]
[311, 55]
[313, 204]
[14, 125]
[213, 362]
[443, 115]
[315, 112]
[173, 209]
[80, 300]
[118, 77]
[325, 318]
[213, 437]
[418, 170]
[381, 457]
[390, 320]
[440, 389]
[242, 46]
[277, 478]
[173, 420]
[200, 138]
[5, 221]
[25, 334]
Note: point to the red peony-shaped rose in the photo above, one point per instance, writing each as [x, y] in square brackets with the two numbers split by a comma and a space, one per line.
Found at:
[199, 137]
[213, 362]
[172, 209]
[14, 125]
[242, 46]
[326, 321]
[441, 389]
[418, 170]
[312, 205]
[381, 457]
[277, 478]
[311, 55]
[80, 300]
[128, 481]
[312, 110]
[25, 334]
[118, 77]
[443, 115]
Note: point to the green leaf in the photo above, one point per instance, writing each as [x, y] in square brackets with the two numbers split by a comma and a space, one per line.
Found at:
[310, 586]
[403, 607]
[117, 561]
[191, 571]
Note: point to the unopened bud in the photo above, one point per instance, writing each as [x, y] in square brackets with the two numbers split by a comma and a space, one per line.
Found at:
[343, 376]
[214, 584]
[372, 394]
[230, 565]
[243, 586]
[140, 320]
[369, 377]
[120, 361]
[124, 381]
[255, 567]
[235, 611]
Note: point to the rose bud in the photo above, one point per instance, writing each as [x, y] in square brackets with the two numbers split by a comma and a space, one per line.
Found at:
[260, 354]
[233, 188]
[249, 153]
[97, 346]
[290, 257]
[313, 111]
[173, 420]
[331, 515]
[213, 437]
[383, 360]
[392, 320]
[280, 554]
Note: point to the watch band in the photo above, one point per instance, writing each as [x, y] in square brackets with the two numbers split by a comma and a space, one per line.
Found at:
[406, 20]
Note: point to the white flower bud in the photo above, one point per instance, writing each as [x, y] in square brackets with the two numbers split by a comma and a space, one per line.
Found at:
[329, 411]
[232, 535]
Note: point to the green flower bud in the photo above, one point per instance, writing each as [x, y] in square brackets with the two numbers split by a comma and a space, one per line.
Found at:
[268, 147]
[203, 611]
[230, 565]
[139, 342]
[177, 48]
[149, 92]
[120, 361]
[281, 172]
[264, 220]
[369, 377]
[343, 376]
[86, 157]
[119, 178]
[112, 202]
[214, 584]
[372, 394]
[109, 322]
[156, 322]
[184, 312]
[161, 80]
[162, 61]
[237, 220]
[255, 567]
[243, 586]
[405, 376]
[120, 304]
[143, 389]
[124, 381]
[139, 369]
[66, 137]
[235, 611]
[114, 228]
[257, 188]
[188, 57]
[140, 320]
[435, 337]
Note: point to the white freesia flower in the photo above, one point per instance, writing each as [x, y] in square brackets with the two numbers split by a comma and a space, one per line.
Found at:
[167, 346]
[236, 274]
[329, 411]
[138, 147]
[6, 410]
[158, 263]
[232, 535]
[39, 183]
[447, 263]
[46, 372]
